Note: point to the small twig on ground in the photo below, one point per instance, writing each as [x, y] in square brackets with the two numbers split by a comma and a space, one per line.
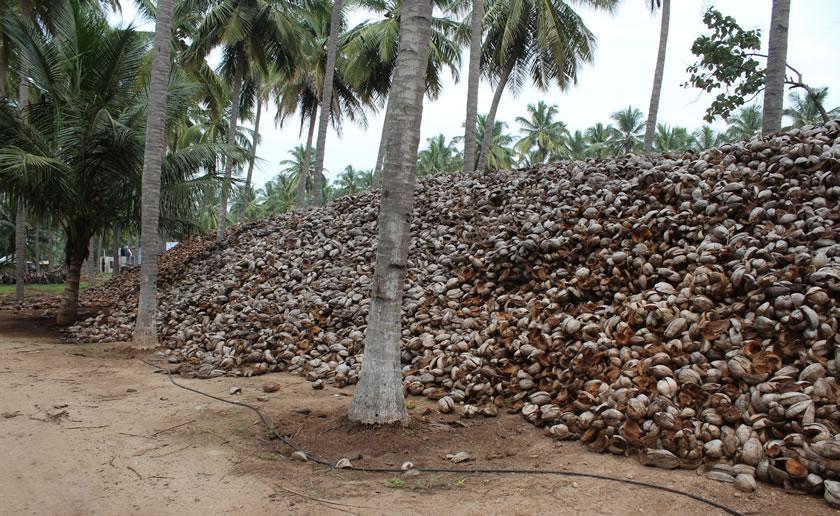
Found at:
[135, 472]
[172, 452]
[85, 427]
[141, 436]
[327, 502]
[172, 428]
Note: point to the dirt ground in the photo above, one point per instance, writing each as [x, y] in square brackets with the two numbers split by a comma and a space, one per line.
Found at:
[90, 429]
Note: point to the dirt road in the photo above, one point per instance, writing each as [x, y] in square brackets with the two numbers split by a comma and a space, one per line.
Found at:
[90, 429]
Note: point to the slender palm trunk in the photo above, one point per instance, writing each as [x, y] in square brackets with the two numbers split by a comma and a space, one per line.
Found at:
[472, 84]
[379, 395]
[36, 243]
[380, 156]
[4, 65]
[91, 263]
[326, 102]
[247, 192]
[145, 328]
[653, 109]
[307, 157]
[20, 250]
[20, 216]
[115, 249]
[774, 89]
[234, 118]
[491, 117]
[51, 248]
[75, 251]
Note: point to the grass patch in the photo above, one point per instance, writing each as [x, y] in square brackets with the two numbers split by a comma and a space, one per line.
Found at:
[50, 289]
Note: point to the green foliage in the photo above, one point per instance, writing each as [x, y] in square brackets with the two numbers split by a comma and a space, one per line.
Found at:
[726, 60]
[395, 483]
[439, 157]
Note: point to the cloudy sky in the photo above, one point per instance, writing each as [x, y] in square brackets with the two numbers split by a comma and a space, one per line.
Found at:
[621, 75]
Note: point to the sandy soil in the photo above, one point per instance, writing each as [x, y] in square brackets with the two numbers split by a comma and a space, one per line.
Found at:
[90, 429]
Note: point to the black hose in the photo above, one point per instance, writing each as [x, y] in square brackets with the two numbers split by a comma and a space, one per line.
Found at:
[463, 471]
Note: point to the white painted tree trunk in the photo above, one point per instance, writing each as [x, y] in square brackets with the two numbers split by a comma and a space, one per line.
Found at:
[234, 118]
[326, 101]
[472, 85]
[145, 328]
[379, 394]
[653, 108]
[774, 89]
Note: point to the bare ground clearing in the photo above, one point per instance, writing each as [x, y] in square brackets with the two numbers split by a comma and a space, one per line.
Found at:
[88, 429]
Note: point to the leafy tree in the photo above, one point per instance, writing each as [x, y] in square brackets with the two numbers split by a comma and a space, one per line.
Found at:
[671, 139]
[78, 155]
[541, 41]
[745, 124]
[599, 140]
[542, 135]
[804, 110]
[728, 59]
[500, 154]
[706, 138]
[627, 134]
[438, 157]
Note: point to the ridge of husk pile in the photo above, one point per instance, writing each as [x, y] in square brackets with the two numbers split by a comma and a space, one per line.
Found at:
[682, 309]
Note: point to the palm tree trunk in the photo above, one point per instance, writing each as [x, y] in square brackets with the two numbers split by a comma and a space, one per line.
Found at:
[145, 327]
[379, 395]
[36, 243]
[247, 192]
[653, 109]
[774, 89]
[326, 102]
[4, 65]
[472, 84]
[491, 116]
[234, 118]
[380, 156]
[20, 216]
[115, 249]
[20, 250]
[307, 157]
[51, 248]
[91, 262]
[74, 256]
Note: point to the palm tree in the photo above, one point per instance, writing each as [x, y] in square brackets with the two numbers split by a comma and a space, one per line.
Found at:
[627, 135]
[500, 153]
[599, 140]
[249, 32]
[79, 157]
[804, 109]
[774, 82]
[476, 33]
[706, 138]
[746, 123]
[659, 71]
[575, 147]
[366, 181]
[544, 41]
[295, 167]
[326, 95]
[348, 181]
[542, 135]
[438, 157]
[379, 395]
[279, 194]
[373, 46]
[671, 139]
[302, 91]
[145, 327]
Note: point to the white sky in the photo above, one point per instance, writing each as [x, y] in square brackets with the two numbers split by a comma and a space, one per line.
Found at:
[621, 75]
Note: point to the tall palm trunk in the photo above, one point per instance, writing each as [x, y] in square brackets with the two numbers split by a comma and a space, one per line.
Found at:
[115, 249]
[247, 192]
[307, 157]
[653, 109]
[472, 84]
[491, 116]
[776, 61]
[36, 243]
[51, 248]
[20, 216]
[326, 102]
[379, 395]
[91, 263]
[380, 155]
[145, 327]
[20, 250]
[234, 118]
[74, 255]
